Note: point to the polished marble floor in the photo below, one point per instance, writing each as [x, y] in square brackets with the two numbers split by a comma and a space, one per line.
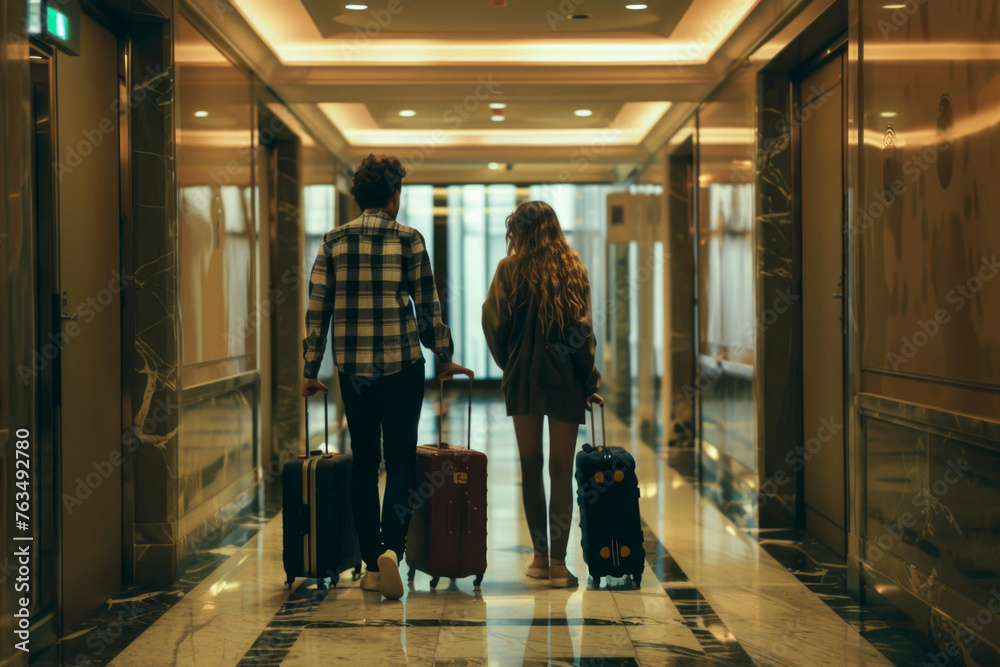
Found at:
[711, 595]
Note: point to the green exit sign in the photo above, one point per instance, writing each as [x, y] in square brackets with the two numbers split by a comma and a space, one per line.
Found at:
[57, 22]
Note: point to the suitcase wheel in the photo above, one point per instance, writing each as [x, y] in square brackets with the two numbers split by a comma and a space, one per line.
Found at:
[637, 578]
[411, 574]
[597, 582]
[478, 582]
[289, 582]
[357, 571]
[434, 582]
[321, 584]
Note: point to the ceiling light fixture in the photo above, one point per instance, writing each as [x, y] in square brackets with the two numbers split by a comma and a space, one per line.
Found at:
[893, 6]
[636, 7]
[200, 114]
[356, 8]
[407, 113]
[494, 165]
[888, 114]
[499, 118]
[498, 105]
[583, 113]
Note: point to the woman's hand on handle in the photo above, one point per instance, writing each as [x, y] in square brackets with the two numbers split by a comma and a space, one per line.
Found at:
[312, 386]
[594, 398]
[451, 369]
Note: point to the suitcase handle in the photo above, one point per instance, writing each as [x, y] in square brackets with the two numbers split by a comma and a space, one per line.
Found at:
[440, 442]
[326, 424]
[593, 429]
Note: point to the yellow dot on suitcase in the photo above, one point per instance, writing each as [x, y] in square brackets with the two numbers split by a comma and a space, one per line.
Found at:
[605, 552]
[625, 551]
[619, 475]
[599, 477]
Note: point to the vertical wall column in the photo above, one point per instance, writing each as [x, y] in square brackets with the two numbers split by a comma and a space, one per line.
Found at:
[679, 392]
[153, 296]
[777, 382]
[291, 279]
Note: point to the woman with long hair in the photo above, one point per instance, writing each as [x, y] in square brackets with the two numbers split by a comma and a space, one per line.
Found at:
[538, 326]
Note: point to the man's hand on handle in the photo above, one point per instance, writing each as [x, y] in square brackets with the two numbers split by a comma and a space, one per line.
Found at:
[451, 369]
[312, 386]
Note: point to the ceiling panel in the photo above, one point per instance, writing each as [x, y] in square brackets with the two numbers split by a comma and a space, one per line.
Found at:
[523, 18]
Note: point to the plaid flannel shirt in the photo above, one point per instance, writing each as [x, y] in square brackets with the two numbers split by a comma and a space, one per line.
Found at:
[368, 277]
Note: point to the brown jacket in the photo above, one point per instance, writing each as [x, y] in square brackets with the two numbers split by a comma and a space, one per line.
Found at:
[542, 375]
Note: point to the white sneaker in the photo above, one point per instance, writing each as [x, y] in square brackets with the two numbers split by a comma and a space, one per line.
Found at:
[370, 582]
[390, 583]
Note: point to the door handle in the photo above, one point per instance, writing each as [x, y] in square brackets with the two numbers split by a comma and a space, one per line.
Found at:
[62, 312]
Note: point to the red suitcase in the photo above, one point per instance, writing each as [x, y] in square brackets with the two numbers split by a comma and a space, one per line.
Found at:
[447, 535]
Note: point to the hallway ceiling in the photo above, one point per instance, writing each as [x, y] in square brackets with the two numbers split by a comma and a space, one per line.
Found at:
[347, 75]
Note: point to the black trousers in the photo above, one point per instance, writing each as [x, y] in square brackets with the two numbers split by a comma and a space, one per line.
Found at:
[383, 411]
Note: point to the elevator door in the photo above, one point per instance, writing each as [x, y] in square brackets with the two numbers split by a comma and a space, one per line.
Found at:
[90, 281]
[823, 350]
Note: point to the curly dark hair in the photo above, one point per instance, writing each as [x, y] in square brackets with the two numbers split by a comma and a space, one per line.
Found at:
[376, 180]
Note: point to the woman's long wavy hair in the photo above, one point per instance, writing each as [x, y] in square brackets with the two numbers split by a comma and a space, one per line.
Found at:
[546, 267]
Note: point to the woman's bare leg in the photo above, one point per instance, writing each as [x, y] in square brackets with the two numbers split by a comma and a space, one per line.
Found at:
[562, 452]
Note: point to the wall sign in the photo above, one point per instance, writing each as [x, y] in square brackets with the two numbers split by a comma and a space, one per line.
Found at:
[56, 22]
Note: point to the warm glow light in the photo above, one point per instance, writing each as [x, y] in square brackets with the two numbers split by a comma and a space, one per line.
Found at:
[498, 105]
[636, 7]
[289, 31]
[356, 8]
[355, 122]
[710, 450]
[583, 113]
[893, 6]
[407, 113]
[493, 165]
[888, 114]
[499, 118]
[730, 530]
[200, 114]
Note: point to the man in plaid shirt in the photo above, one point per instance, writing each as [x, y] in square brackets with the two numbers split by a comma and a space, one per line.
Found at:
[368, 278]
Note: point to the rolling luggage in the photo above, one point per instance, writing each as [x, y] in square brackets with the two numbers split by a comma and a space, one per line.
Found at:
[608, 496]
[447, 535]
[318, 535]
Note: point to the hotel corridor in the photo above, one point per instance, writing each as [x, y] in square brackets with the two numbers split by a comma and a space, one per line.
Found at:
[710, 595]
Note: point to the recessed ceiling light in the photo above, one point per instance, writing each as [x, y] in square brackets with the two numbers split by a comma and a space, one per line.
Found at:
[200, 114]
[888, 114]
[498, 105]
[636, 7]
[493, 165]
[893, 6]
[407, 113]
[499, 118]
[356, 8]
[583, 113]
[580, 17]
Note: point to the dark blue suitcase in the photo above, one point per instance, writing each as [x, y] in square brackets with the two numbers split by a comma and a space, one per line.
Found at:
[318, 536]
[608, 495]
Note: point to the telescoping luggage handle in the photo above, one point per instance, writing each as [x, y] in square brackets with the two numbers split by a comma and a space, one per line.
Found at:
[326, 426]
[440, 442]
[593, 430]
